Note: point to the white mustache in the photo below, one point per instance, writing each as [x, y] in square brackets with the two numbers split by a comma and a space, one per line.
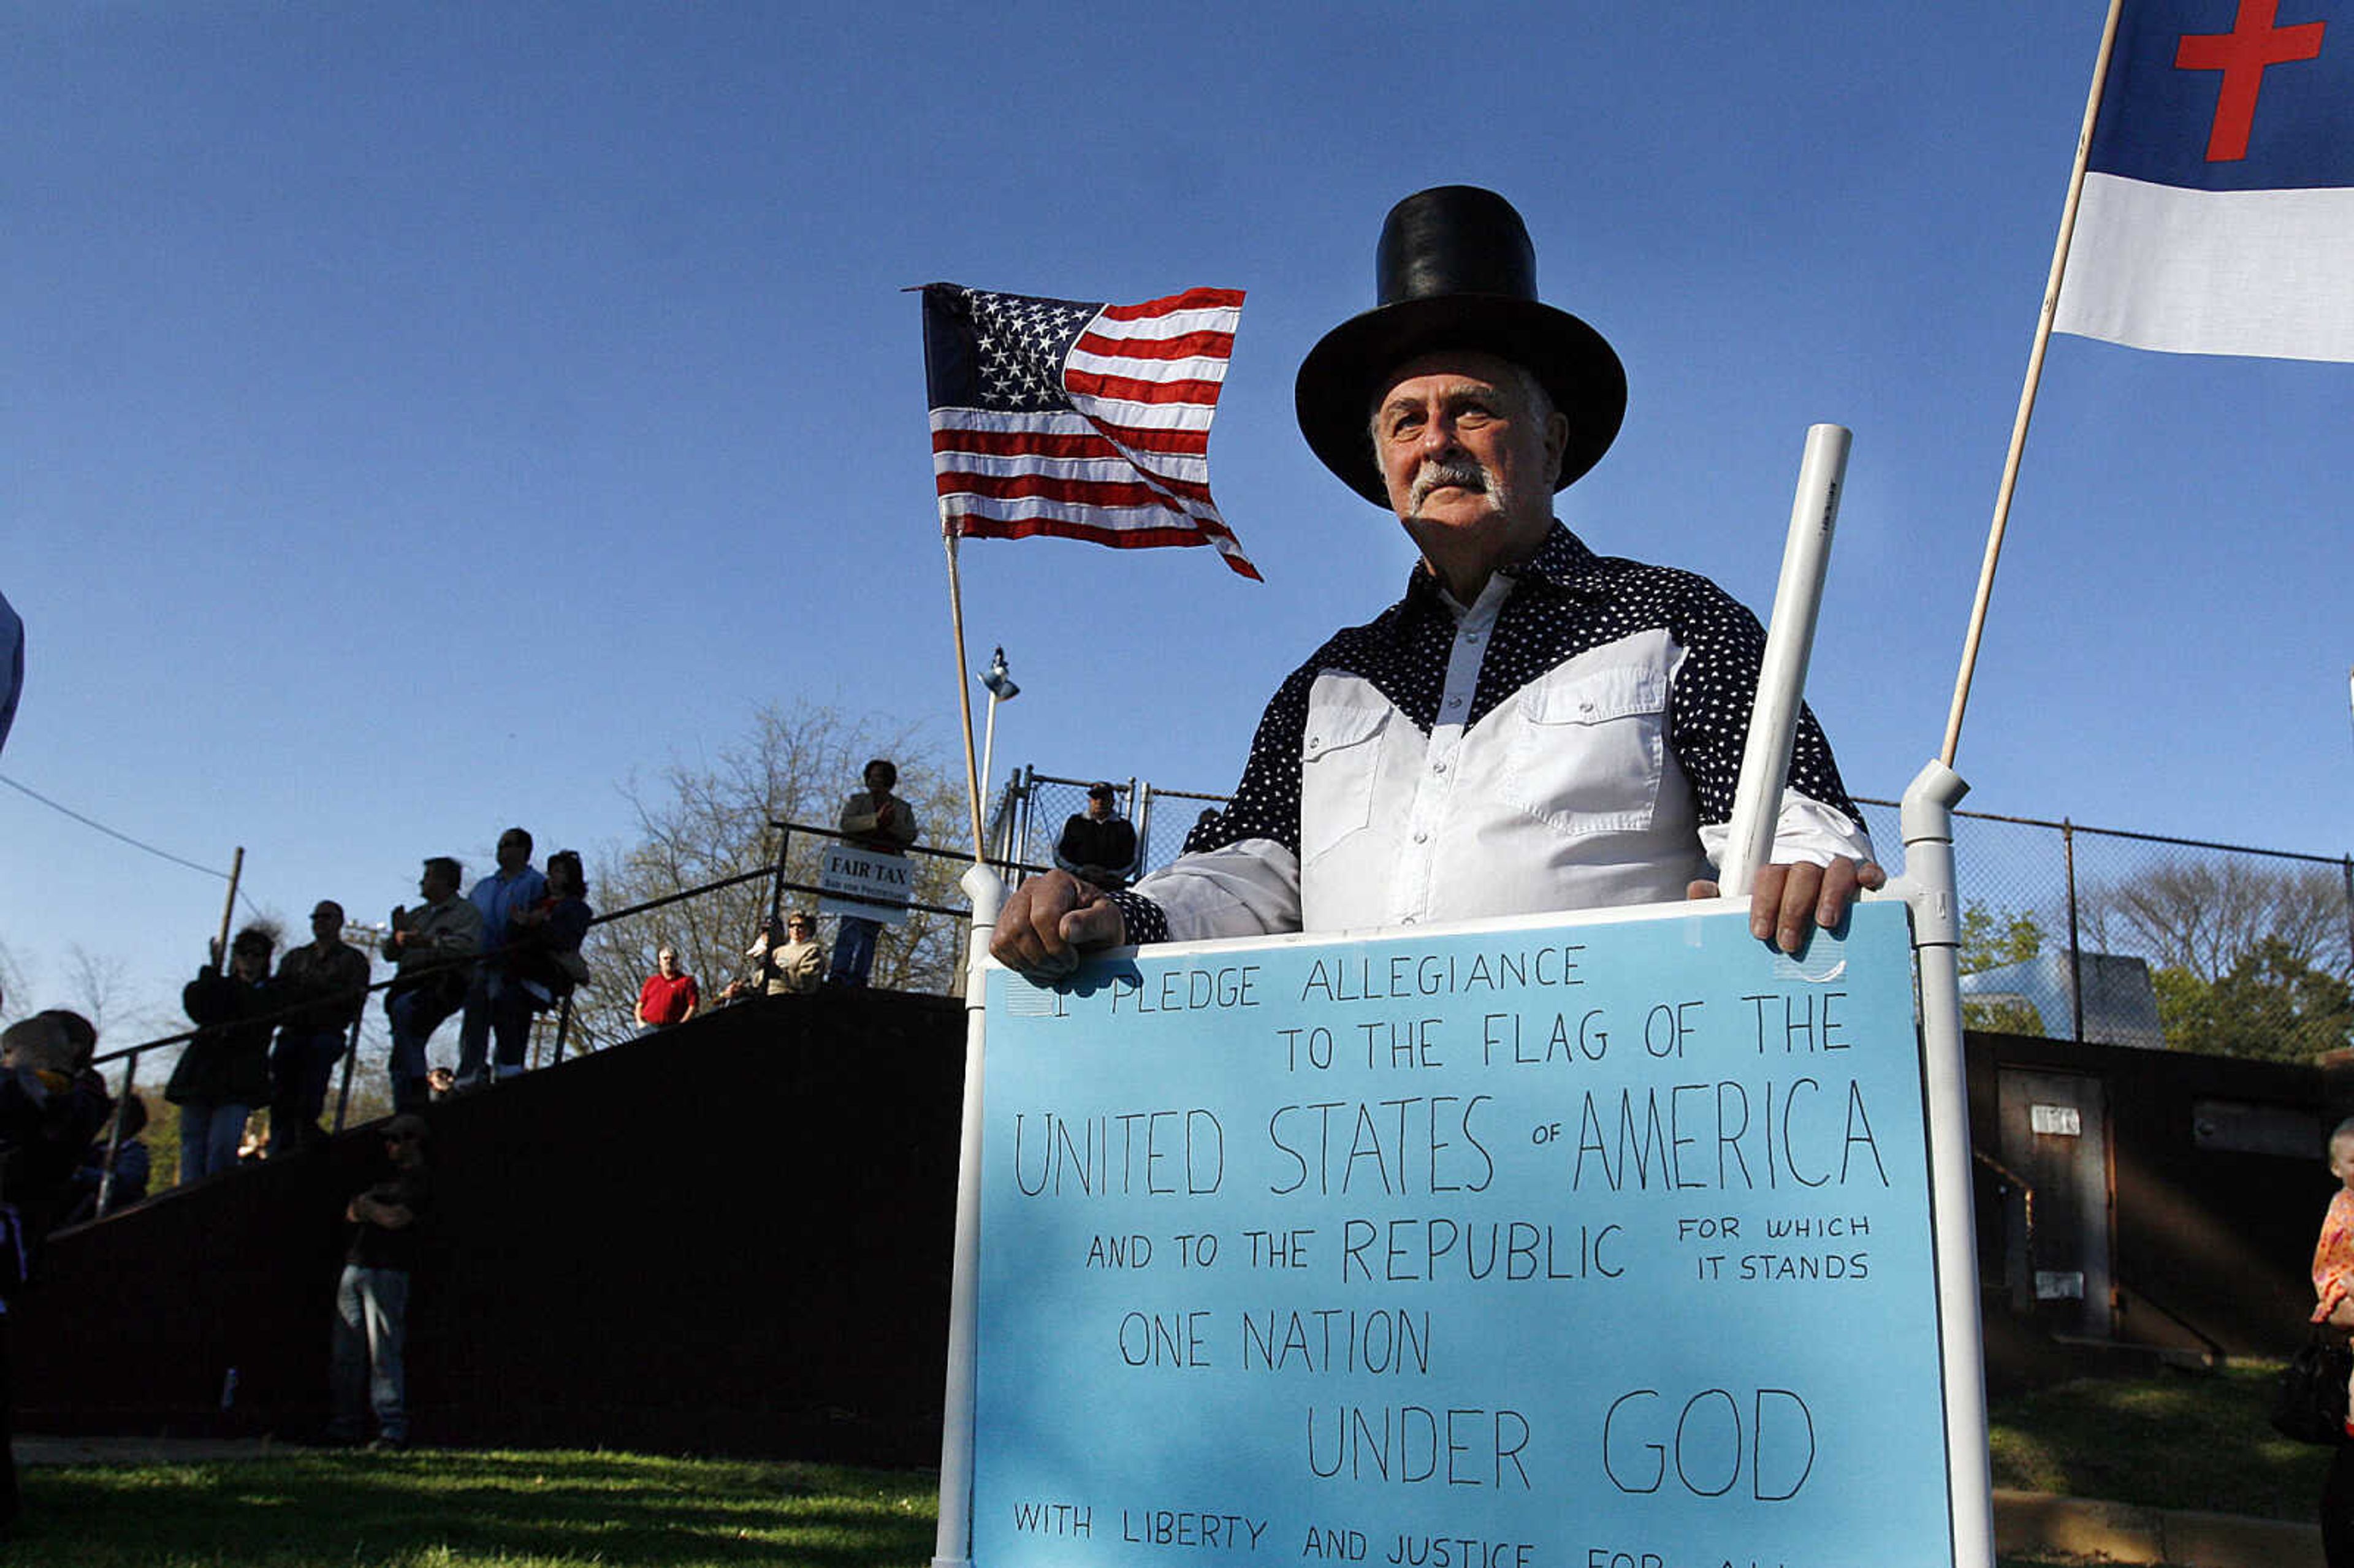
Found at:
[1461, 472]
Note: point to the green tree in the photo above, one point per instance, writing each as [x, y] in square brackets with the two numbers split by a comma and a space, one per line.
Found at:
[2249, 958]
[2271, 1004]
[1990, 940]
[706, 822]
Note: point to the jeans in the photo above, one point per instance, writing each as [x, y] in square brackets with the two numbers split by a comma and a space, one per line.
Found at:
[209, 1135]
[414, 1015]
[371, 1330]
[854, 950]
[497, 1009]
[301, 1065]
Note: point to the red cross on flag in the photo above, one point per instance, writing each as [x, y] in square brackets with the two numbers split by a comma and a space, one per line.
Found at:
[2218, 207]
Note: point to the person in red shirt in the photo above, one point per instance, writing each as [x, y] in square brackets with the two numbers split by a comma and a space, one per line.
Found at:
[669, 996]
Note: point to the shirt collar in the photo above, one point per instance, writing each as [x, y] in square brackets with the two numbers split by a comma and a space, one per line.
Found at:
[1562, 561]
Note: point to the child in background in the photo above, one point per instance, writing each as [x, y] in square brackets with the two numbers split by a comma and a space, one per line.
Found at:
[2333, 1254]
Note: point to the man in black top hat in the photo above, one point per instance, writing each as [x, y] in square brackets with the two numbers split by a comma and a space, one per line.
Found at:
[1533, 727]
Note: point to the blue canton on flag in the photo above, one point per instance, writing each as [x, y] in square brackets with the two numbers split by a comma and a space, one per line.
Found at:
[1081, 421]
[2218, 209]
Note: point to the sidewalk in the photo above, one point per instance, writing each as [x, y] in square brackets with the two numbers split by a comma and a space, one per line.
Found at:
[2039, 1523]
[39, 1450]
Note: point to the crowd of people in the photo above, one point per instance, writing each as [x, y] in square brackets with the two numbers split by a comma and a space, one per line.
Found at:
[58, 1121]
[494, 956]
[271, 1029]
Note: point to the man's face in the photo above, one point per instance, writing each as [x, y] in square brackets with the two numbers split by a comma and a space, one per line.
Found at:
[515, 850]
[796, 930]
[1467, 457]
[878, 782]
[669, 962]
[327, 925]
[1098, 807]
[435, 885]
[250, 962]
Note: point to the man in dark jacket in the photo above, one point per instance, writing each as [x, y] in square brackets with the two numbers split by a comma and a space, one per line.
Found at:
[1099, 847]
[330, 978]
[224, 1072]
[370, 1343]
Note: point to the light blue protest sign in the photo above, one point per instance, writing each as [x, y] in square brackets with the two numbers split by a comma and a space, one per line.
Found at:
[1602, 1244]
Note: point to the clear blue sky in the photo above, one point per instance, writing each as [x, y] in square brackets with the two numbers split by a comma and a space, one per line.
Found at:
[420, 417]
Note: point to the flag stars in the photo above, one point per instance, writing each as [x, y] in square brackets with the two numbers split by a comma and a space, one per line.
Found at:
[1019, 343]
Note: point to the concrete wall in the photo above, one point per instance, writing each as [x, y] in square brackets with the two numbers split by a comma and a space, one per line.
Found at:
[734, 1237]
[2218, 1182]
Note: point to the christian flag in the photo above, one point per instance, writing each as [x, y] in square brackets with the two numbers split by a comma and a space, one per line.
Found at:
[2218, 209]
[12, 666]
[1085, 421]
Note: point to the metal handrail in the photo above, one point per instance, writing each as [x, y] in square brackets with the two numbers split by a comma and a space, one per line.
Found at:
[2216, 1353]
[130, 1054]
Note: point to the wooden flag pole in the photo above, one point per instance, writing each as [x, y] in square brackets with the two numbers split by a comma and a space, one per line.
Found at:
[2027, 393]
[964, 680]
[228, 911]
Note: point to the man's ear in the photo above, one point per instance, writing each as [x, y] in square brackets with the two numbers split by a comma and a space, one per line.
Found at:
[1556, 443]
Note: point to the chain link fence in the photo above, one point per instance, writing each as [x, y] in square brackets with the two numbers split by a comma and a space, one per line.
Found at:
[2130, 938]
[1027, 818]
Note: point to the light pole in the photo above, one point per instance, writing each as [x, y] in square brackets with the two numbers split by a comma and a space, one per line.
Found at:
[1001, 689]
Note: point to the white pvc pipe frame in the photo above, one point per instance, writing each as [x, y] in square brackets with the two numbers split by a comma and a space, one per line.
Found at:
[1926, 824]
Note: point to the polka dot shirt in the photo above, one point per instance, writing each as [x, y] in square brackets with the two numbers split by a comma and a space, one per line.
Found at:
[1565, 602]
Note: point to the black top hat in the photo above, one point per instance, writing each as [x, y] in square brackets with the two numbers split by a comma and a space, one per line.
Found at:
[1455, 269]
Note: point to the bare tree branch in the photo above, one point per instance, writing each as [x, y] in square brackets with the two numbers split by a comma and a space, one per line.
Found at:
[699, 824]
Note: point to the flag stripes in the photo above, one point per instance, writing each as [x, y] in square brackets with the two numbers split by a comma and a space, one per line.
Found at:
[1079, 420]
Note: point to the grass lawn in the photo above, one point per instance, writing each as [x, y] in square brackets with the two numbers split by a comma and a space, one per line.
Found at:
[2178, 1441]
[452, 1508]
[2181, 1441]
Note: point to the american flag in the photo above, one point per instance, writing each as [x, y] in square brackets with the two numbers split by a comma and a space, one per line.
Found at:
[1085, 421]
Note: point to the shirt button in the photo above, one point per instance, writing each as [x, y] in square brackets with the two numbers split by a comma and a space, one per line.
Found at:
[1470, 637]
[1422, 836]
[1439, 766]
[1455, 701]
[1405, 920]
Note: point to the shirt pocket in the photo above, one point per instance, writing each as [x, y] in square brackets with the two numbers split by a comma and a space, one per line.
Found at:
[1340, 768]
[1586, 753]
